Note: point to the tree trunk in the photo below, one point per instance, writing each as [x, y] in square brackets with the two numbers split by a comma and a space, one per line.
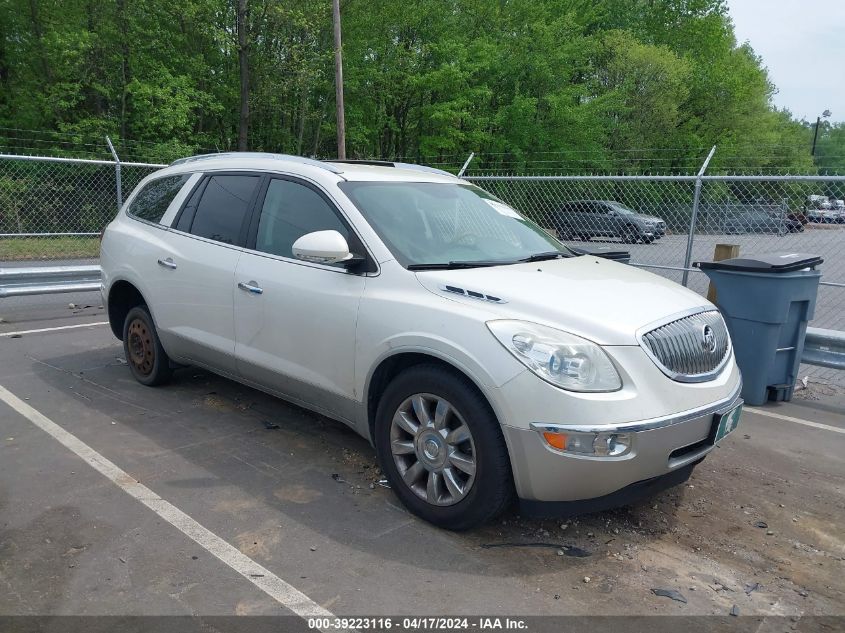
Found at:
[243, 62]
[124, 65]
[35, 21]
[303, 113]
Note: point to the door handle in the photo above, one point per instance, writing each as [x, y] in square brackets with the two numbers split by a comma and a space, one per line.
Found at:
[167, 263]
[250, 286]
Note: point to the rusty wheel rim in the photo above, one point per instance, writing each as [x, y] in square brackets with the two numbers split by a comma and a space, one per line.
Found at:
[140, 346]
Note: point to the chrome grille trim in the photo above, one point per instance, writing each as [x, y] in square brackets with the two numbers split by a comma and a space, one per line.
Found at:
[677, 345]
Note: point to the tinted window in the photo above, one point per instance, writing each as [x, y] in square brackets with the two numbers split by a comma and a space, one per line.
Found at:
[221, 210]
[290, 211]
[152, 201]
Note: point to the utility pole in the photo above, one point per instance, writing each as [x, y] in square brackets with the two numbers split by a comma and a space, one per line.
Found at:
[824, 114]
[243, 65]
[338, 83]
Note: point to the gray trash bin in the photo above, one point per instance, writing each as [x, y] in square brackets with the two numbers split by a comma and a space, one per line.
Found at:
[767, 301]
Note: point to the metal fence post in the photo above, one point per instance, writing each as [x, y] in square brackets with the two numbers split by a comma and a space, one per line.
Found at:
[116, 174]
[694, 217]
[466, 164]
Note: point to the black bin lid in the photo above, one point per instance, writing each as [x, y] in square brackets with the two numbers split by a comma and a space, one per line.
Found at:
[607, 252]
[769, 263]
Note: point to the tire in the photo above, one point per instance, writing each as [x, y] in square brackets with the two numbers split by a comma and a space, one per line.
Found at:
[145, 356]
[629, 235]
[564, 233]
[464, 497]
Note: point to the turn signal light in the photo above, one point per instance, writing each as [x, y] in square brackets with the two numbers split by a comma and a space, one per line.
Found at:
[608, 444]
[556, 440]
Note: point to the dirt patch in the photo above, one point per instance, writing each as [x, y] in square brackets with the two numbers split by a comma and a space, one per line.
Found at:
[297, 493]
[769, 547]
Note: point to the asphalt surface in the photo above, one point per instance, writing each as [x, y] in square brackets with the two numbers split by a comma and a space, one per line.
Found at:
[299, 495]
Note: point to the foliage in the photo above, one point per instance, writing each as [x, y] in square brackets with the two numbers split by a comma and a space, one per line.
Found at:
[517, 81]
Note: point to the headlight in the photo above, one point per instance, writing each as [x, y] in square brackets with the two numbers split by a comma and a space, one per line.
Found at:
[563, 359]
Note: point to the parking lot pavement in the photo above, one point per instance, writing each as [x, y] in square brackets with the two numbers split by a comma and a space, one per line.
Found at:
[759, 525]
[824, 240]
[42, 311]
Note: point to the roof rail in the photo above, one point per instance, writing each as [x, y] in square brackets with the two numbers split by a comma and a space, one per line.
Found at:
[388, 163]
[286, 157]
[356, 161]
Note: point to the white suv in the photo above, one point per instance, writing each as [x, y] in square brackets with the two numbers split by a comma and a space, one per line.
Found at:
[482, 359]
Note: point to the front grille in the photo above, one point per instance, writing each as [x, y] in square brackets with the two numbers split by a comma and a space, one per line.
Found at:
[689, 349]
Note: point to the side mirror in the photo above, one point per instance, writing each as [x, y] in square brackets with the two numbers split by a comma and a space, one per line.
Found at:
[322, 247]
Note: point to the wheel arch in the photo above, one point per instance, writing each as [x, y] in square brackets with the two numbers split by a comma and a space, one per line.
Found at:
[394, 364]
[122, 297]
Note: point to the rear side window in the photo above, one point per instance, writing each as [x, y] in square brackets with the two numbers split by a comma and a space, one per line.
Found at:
[224, 204]
[152, 201]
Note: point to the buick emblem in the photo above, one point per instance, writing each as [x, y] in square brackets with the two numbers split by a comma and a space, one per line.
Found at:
[708, 339]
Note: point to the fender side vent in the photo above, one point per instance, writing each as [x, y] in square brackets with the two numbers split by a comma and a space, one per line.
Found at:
[472, 294]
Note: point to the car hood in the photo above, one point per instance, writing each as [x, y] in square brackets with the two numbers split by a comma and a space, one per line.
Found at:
[650, 218]
[598, 299]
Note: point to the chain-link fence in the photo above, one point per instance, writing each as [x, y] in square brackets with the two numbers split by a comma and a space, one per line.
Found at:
[55, 208]
[666, 230]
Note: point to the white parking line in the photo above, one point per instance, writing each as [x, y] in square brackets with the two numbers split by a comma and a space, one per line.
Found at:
[786, 418]
[53, 329]
[283, 593]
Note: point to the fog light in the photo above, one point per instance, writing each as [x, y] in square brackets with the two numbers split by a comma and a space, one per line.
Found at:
[596, 444]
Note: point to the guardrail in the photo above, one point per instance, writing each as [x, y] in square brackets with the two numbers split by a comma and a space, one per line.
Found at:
[824, 348]
[42, 280]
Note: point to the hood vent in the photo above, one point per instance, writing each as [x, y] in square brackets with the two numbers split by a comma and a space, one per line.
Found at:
[472, 294]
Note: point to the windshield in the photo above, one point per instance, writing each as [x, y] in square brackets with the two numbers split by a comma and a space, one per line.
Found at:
[623, 210]
[443, 223]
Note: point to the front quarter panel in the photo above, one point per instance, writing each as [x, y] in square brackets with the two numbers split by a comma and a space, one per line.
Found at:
[398, 316]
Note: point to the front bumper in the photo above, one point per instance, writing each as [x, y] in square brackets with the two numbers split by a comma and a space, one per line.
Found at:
[659, 447]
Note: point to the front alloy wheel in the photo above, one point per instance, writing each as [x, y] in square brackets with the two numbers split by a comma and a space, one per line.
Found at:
[433, 449]
[441, 447]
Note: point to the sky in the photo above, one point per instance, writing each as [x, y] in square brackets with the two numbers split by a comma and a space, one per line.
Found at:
[802, 43]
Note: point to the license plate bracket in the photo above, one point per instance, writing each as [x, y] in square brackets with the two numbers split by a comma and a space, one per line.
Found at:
[726, 422]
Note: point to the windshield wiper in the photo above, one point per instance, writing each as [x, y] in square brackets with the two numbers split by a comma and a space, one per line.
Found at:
[539, 257]
[456, 265]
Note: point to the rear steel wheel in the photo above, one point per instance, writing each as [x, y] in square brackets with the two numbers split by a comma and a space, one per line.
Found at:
[145, 356]
[433, 449]
[140, 347]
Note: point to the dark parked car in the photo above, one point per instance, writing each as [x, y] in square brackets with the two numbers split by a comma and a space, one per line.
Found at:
[583, 219]
[760, 222]
[800, 217]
